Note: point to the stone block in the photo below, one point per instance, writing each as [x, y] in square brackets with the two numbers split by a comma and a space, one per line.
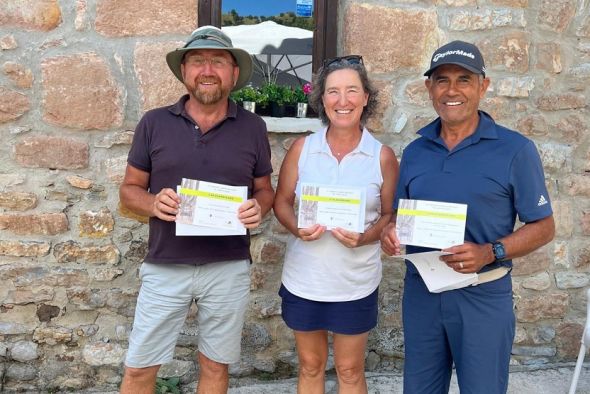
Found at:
[539, 282]
[576, 185]
[47, 312]
[34, 224]
[24, 351]
[21, 372]
[556, 14]
[384, 102]
[417, 94]
[506, 52]
[100, 353]
[567, 339]
[549, 57]
[515, 87]
[391, 39]
[118, 138]
[13, 105]
[564, 220]
[456, 3]
[548, 306]
[511, 3]
[484, 19]
[79, 91]
[267, 251]
[571, 280]
[533, 125]
[8, 42]
[24, 248]
[122, 18]
[52, 335]
[534, 351]
[560, 101]
[157, 85]
[543, 334]
[20, 75]
[74, 252]
[104, 274]
[81, 19]
[23, 276]
[555, 157]
[115, 169]
[18, 201]
[87, 299]
[584, 28]
[537, 261]
[96, 224]
[30, 295]
[51, 152]
[79, 182]
[30, 14]
[571, 128]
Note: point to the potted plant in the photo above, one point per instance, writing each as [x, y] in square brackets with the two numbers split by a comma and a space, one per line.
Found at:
[247, 97]
[278, 97]
[300, 94]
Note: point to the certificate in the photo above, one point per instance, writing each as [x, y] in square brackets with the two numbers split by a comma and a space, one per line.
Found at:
[431, 224]
[208, 208]
[332, 206]
[436, 274]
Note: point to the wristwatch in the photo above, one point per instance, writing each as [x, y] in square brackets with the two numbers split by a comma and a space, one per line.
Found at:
[499, 251]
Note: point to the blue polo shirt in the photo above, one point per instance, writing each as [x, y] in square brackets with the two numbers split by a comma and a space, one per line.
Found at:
[497, 172]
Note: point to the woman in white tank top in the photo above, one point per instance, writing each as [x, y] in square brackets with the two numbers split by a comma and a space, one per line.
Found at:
[331, 274]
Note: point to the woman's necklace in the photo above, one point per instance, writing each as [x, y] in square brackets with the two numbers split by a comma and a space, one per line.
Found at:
[344, 152]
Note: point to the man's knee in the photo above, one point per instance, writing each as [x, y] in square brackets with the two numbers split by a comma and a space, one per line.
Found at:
[140, 373]
[211, 368]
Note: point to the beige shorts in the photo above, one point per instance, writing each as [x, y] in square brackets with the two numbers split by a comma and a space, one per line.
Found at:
[167, 291]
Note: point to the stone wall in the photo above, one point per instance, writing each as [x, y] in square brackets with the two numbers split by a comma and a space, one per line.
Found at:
[75, 77]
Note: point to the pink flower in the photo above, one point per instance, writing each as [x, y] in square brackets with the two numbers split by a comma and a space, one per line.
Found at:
[307, 88]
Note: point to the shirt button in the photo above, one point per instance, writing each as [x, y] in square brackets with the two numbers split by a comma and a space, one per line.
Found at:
[196, 127]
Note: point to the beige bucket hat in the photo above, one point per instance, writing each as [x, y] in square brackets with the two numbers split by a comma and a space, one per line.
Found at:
[211, 37]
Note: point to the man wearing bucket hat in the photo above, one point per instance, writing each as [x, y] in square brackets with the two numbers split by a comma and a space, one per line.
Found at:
[203, 136]
[465, 157]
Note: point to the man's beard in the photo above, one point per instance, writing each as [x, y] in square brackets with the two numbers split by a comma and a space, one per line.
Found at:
[208, 96]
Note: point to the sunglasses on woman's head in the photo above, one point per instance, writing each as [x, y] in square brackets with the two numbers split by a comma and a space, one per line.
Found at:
[351, 59]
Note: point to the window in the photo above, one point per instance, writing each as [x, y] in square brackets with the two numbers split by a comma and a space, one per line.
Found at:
[324, 35]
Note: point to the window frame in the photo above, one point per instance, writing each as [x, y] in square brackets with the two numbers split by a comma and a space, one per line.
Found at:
[325, 34]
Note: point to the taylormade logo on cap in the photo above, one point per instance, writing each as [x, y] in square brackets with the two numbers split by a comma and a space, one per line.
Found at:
[459, 52]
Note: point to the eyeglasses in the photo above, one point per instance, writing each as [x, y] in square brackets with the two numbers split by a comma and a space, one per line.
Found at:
[215, 62]
[351, 59]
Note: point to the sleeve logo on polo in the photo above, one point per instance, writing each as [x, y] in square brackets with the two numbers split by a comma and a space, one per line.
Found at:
[542, 201]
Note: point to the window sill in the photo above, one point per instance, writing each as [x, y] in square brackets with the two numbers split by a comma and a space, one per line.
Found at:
[292, 125]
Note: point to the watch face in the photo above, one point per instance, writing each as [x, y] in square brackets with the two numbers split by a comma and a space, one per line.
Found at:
[499, 251]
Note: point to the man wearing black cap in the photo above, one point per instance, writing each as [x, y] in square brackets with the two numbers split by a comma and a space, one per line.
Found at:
[465, 157]
[204, 136]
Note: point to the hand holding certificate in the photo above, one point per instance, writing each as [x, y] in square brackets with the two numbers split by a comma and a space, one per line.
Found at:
[431, 224]
[332, 206]
[438, 225]
[208, 208]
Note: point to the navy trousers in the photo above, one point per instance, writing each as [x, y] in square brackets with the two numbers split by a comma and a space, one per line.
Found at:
[472, 328]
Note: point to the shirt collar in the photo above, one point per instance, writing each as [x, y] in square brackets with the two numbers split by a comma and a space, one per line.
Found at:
[364, 145]
[486, 129]
[178, 107]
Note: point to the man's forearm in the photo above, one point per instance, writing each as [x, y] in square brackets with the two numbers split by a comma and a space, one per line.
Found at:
[137, 199]
[529, 237]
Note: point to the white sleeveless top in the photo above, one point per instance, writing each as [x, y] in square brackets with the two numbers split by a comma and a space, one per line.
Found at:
[324, 269]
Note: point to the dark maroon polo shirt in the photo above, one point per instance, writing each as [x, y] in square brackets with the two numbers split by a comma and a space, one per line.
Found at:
[169, 145]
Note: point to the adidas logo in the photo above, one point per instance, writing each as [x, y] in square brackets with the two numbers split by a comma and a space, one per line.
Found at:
[542, 201]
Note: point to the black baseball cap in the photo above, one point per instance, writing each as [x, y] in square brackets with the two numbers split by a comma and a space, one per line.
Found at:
[462, 54]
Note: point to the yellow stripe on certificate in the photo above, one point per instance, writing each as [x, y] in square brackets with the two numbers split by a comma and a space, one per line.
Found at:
[211, 195]
[338, 200]
[431, 214]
